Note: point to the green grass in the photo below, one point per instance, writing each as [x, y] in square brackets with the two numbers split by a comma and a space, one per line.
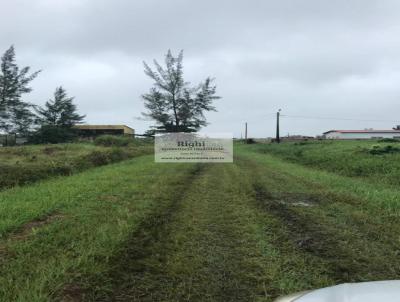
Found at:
[248, 231]
[378, 161]
[121, 141]
[351, 224]
[95, 211]
[27, 164]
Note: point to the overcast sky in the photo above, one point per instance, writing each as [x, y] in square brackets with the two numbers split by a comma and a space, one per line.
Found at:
[313, 58]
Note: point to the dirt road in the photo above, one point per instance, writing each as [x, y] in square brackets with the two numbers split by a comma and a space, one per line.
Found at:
[248, 231]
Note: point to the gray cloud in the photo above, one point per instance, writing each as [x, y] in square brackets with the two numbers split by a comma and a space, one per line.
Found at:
[314, 58]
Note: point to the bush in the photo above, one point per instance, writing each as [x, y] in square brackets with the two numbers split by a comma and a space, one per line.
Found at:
[378, 150]
[250, 141]
[51, 150]
[97, 158]
[12, 175]
[112, 140]
[389, 140]
[52, 135]
[27, 164]
[118, 154]
[100, 158]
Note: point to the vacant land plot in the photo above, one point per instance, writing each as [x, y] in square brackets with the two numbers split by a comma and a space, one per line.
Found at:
[27, 164]
[248, 231]
[376, 160]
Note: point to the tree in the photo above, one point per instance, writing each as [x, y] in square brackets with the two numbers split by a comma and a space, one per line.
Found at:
[172, 103]
[15, 114]
[56, 119]
[60, 111]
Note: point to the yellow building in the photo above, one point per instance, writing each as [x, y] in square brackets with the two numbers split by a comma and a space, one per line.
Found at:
[96, 130]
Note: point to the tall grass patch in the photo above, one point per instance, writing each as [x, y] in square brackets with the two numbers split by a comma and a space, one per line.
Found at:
[27, 164]
[373, 159]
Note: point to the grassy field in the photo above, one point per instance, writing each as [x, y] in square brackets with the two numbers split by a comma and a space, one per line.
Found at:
[27, 164]
[376, 160]
[248, 231]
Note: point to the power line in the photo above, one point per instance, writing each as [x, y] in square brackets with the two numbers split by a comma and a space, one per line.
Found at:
[337, 118]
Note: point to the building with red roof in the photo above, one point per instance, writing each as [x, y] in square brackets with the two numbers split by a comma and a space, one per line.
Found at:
[361, 134]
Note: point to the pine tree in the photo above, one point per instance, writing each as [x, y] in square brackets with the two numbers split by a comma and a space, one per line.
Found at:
[56, 119]
[60, 111]
[172, 103]
[15, 114]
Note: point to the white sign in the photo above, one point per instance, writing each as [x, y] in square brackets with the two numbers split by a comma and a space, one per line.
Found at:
[193, 147]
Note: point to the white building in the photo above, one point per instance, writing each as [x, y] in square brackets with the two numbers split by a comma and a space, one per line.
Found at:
[361, 134]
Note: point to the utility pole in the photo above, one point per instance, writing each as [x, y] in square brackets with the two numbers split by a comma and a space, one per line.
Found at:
[245, 133]
[278, 139]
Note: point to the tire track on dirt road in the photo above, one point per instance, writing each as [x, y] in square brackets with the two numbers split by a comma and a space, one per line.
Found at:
[137, 255]
[223, 235]
[204, 248]
[342, 246]
[211, 243]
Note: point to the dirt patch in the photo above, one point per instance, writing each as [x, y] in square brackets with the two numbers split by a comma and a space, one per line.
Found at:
[51, 150]
[309, 238]
[73, 293]
[345, 256]
[306, 237]
[25, 230]
[311, 197]
[109, 198]
[298, 199]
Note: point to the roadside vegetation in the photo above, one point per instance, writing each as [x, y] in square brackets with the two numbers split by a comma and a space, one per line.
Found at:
[121, 141]
[248, 231]
[373, 160]
[27, 164]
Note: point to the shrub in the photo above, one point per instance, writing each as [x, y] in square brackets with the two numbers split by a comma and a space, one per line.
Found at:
[389, 140]
[51, 150]
[112, 140]
[12, 175]
[27, 164]
[52, 135]
[118, 154]
[100, 158]
[378, 150]
[97, 158]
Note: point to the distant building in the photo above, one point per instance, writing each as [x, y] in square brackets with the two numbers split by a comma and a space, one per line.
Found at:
[361, 134]
[91, 131]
